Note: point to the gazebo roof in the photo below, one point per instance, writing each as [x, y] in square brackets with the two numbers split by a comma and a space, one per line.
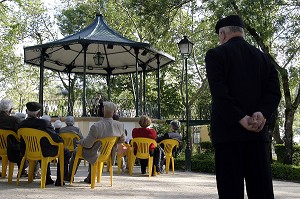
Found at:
[67, 54]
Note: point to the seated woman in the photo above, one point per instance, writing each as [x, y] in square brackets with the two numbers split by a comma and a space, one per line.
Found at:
[174, 134]
[145, 132]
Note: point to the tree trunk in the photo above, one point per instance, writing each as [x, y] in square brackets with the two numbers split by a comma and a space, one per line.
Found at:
[274, 129]
[288, 136]
[276, 133]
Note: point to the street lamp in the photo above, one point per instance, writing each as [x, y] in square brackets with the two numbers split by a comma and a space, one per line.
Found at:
[186, 47]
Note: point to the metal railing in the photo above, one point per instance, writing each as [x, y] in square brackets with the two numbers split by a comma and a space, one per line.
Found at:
[125, 108]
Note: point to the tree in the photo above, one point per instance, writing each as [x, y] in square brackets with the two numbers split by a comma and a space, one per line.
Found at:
[14, 22]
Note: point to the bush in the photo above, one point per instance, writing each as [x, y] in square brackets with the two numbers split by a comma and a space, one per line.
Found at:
[279, 150]
[285, 172]
[296, 155]
[204, 162]
[206, 146]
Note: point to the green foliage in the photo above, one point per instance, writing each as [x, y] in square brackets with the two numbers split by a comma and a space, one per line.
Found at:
[200, 163]
[280, 152]
[285, 172]
[205, 163]
[206, 147]
[296, 155]
[74, 19]
[207, 155]
[161, 127]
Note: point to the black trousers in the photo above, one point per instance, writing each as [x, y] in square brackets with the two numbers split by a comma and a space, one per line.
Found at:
[239, 162]
[67, 156]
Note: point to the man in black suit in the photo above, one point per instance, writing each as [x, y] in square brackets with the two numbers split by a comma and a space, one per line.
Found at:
[245, 93]
[8, 122]
[33, 121]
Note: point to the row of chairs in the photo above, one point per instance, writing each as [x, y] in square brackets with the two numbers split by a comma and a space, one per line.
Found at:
[143, 153]
[33, 153]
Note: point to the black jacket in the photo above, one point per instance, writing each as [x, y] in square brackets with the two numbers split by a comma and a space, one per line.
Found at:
[13, 146]
[242, 81]
[40, 124]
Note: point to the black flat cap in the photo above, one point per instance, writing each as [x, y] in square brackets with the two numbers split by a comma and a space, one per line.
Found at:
[33, 106]
[231, 20]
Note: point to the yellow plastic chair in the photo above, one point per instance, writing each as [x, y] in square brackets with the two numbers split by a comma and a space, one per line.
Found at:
[33, 152]
[119, 156]
[169, 145]
[3, 153]
[105, 156]
[143, 145]
[69, 141]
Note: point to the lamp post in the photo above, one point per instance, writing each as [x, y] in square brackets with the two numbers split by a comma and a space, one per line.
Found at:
[186, 47]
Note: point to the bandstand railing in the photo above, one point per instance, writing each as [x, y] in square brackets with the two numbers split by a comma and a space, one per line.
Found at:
[125, 108]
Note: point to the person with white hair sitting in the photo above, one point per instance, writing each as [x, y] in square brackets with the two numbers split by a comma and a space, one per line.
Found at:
[70, 128]
[174, 134]
[21, 116]
[33, 121]
[8, 122]
[105, 127]
[57, 125]
[47, 118]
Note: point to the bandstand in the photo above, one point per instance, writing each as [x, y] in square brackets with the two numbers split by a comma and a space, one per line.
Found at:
[99, 50]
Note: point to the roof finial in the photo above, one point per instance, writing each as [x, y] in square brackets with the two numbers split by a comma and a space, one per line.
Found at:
[99, 8]
[101, 5]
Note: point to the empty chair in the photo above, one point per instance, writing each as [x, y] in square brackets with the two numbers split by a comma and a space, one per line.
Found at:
[169, 145]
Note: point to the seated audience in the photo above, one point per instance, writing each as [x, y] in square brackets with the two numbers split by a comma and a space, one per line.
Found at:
[121, 148]
[57, 125]
[8, 122]
[144, 132]
[70, 128]
[174, 134]
[47, 118]
[21, 116]
[105, 127]
[48, 150]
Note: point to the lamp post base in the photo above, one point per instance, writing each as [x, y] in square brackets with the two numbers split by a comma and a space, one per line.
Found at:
[188, 164]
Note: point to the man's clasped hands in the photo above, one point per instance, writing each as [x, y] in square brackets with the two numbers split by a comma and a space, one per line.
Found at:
[254, 123]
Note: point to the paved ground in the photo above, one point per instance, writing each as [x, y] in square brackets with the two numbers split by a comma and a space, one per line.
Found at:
[182, 185]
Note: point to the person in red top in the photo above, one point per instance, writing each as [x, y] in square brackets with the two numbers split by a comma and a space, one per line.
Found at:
[145, 132]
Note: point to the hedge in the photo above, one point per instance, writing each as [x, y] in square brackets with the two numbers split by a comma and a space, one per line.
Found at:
[279, 150]
[279, 170]
[285, 172]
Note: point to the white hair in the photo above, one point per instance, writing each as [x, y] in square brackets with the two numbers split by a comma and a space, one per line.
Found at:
[57, 124]
[46, 117]
[109, 107]
[70, 120]
[22, 116]
[6, 105]
[32, 113]
[230, 29]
